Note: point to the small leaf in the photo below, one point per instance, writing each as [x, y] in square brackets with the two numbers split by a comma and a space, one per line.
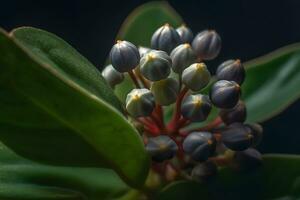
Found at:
[54, 108]
[22, 179]
[272, 83]
[278, 178]
[146, 19]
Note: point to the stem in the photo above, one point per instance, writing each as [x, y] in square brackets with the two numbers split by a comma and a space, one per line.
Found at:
[133, 78]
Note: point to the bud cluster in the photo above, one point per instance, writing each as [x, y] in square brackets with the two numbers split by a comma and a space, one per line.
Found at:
[172, 74]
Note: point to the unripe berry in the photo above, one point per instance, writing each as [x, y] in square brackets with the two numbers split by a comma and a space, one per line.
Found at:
[140, 103]
[124, 56]
[196, 76]
[143, 50]
[247, 160]
[155, 65]
[207, 44]
[225, 94]
[165, 38]
[112, 76]
[199, 145]
[161, 148]
[231, 70]
[236, 114]
[182, 57]
[196, 107]
[257, 132]
[204, 171]
[185, 34]
[237, 137]
[165, 91]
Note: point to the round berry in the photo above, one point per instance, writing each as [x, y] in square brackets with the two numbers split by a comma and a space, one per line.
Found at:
[165, 38]
[140, 103]
[165, 91]
[182, 57]
[236, 114]
[161, 148]
[143, 50]
[231, 70]
[204, 171]
[196, 76]
[112, 76]
[247, 160]
[199, 145]
[155, 65]
[207, 44]
[124, 56]
[185, 34]
[196, 107]
[225, 94]
[237, 137]
[257, 132]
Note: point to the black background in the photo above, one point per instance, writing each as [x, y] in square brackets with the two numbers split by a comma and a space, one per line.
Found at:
[249, 28]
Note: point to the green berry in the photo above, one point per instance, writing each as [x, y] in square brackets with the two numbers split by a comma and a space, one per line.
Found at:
[235, 114]
[199, 145]
[225, 94]
[112, 76]
[231, 70]
[207, 44]
[140, 103]
[185, 34]
[237, 137]
[182, 57]
[196, 107]
[124, 56]
[155, 65]
[161, 148]
[196, 76]
[165, 91]
[165, 38]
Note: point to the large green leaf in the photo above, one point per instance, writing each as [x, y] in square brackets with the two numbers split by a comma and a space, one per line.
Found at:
[139, 27]
[272, 83]
[22, 179]
[279, 177]
[54, 108]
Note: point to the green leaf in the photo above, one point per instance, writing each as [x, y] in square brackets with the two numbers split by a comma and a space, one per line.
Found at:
[54, 108]
[146, 18]
[272, 83]
[278, 178]
[22, 179]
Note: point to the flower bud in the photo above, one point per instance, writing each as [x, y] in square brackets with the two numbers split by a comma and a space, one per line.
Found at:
[165, 38]
[143, 50]
[161, 148]
[235, 114]
[165, 91]
[225, 94]
[196, 76]
[182, 57]
[155, 65]
[231, 70]
[257, 132]
[204, 171]
[124, 56]
[112, 76]
[185, 34]
[196, 107]
[199, 145]
[247, 160]
[140, 103]
[207, 44]
[237, 137]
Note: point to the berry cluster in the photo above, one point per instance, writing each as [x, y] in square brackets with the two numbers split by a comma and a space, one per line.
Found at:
[172, 73]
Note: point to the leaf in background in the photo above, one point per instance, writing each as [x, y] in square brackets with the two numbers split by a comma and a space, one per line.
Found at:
[272, 83]
[51, 114]
[22, 179]
[139, 27]
[278, 177]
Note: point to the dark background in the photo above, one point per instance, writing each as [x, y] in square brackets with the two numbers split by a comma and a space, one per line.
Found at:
[249, 28]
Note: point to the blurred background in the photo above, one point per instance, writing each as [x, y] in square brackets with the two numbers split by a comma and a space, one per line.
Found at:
[249, 28]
